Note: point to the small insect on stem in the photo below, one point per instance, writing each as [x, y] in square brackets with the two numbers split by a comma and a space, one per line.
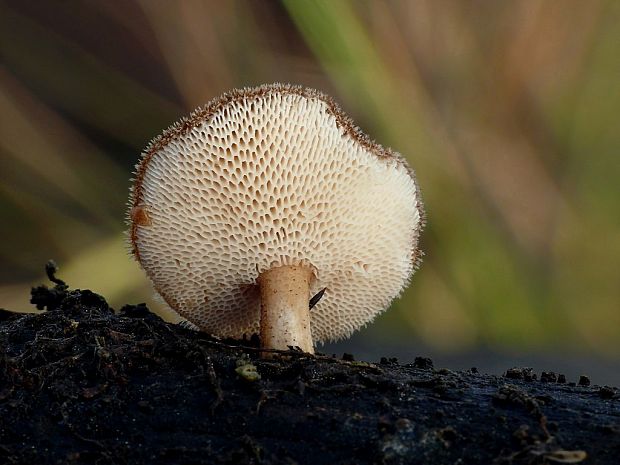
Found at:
[317, 297]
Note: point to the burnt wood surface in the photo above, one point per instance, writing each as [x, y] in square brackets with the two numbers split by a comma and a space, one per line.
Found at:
[80, 383]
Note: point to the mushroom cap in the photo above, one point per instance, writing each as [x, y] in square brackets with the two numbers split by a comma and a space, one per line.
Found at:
[270, 176]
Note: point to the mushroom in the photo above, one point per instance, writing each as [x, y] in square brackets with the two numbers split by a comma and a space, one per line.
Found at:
[244, 210]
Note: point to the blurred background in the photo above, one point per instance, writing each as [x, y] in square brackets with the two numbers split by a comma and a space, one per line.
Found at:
[508, 111]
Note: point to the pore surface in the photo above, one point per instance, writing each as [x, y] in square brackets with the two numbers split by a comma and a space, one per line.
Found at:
[273, 180]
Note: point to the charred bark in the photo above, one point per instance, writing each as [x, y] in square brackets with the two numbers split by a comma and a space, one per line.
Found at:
[80, 383]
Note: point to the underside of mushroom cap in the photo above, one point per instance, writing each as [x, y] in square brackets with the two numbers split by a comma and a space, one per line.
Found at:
[270, 176]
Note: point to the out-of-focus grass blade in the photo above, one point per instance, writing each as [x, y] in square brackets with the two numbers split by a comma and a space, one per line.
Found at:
[120, 107]
[334, 33]
[52, 151]
[193, 46]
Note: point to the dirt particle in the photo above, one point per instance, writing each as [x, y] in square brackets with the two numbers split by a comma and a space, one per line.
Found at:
[508, 395]
[448, 435]
[514, 373]
[402, 424]
[423, 363]
[526, 374]
[610, 429]
[584, 380]
[548, 377]
[607, 392]
[145, 406]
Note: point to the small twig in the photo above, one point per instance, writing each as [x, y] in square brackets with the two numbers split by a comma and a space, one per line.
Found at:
[213, 380]
[263, 398]
[288, 353]
[50, 269]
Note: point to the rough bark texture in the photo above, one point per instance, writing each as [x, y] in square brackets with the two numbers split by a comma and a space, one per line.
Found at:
[81, 384]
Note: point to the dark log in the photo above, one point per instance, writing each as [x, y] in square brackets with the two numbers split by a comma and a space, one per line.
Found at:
[82, 384]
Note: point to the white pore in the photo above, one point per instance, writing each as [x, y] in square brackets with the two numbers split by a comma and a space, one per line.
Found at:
[269, 180]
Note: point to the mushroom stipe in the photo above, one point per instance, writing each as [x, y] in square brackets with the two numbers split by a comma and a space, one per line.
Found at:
[265, 197]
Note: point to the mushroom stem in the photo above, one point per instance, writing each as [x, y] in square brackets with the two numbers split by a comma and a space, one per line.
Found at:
[285, 313]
